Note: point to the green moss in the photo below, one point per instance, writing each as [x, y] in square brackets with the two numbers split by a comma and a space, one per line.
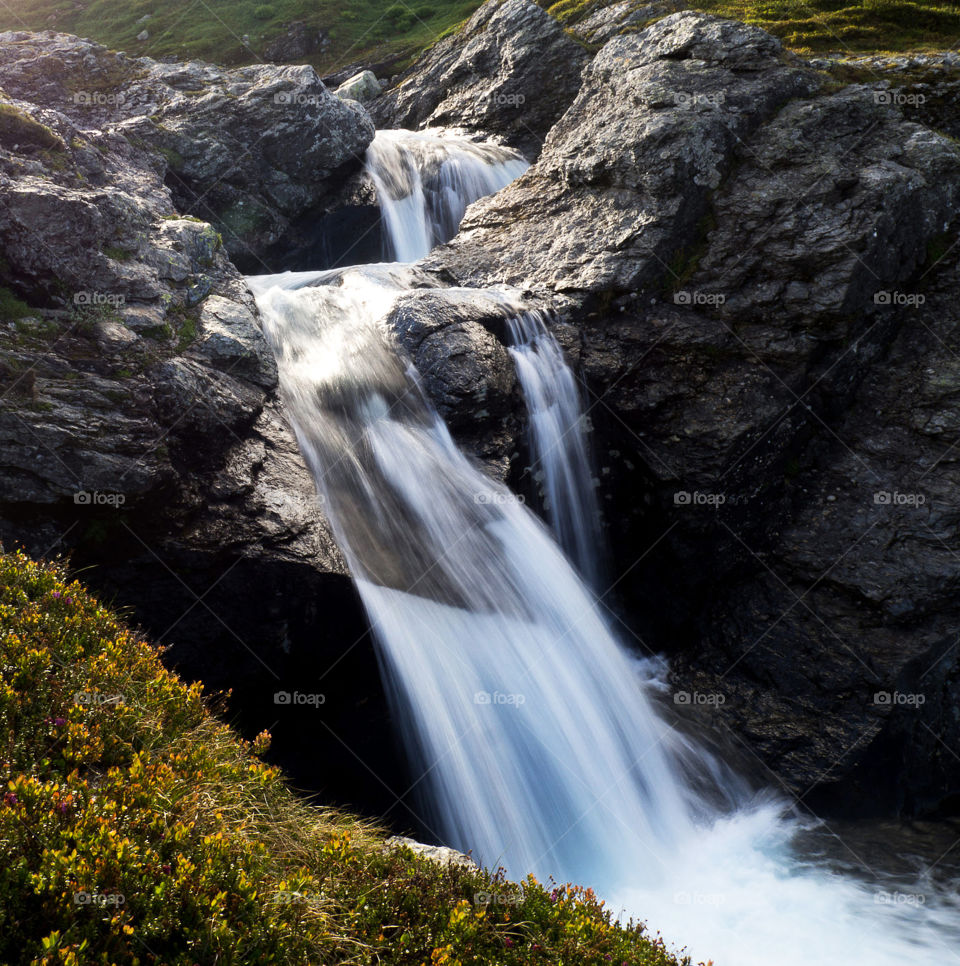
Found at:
[12, 308]
[573, 11]
[18, 129]
[117, 253]
[174, 158]
[189, 326]
[135, 828]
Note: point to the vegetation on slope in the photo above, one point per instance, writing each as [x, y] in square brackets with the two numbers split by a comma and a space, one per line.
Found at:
[823, 26]
[378, 30]
[135, 828]
[215, 30]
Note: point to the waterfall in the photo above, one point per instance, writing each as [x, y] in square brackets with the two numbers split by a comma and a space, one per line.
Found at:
[558, 441]
[538, 743]
[425, 181]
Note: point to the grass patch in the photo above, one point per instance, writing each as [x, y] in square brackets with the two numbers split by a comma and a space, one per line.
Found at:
[360, 30]
[822, 26]
[135, 828]
[12, 308]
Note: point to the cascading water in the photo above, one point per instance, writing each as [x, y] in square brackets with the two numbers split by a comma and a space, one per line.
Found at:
[540, 746]
[558, 441]
[426, 180]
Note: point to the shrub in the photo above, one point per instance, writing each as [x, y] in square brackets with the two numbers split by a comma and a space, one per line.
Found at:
[137, 829]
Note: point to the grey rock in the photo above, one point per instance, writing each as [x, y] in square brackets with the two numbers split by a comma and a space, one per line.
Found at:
[510, 71]
[142, 371]
[247, 149]
[626, 174]
[361, 87]
[440, 854]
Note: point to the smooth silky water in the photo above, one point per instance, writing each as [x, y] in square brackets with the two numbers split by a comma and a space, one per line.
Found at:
[535, 731]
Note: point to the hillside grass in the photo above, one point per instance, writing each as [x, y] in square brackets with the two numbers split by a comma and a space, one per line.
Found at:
[824, 26]
[214, 29]
[375, 30]
[137, 829]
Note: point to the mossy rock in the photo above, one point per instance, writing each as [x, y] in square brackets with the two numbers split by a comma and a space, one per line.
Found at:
[20, 131]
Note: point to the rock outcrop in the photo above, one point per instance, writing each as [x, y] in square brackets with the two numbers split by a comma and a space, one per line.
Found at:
[510, 71]
[141, 430]
[626, 174]
[247, 149]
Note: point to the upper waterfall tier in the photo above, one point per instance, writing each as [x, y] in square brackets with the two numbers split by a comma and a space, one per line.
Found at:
[426, 180]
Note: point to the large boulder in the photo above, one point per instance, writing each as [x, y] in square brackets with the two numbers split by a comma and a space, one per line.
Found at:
[510, 70]
[247, 149]
[627, 173]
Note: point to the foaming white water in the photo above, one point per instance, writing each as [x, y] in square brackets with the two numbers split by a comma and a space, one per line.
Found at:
[425, 181]
[738, 895]
[537, 735]
[558, 441]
